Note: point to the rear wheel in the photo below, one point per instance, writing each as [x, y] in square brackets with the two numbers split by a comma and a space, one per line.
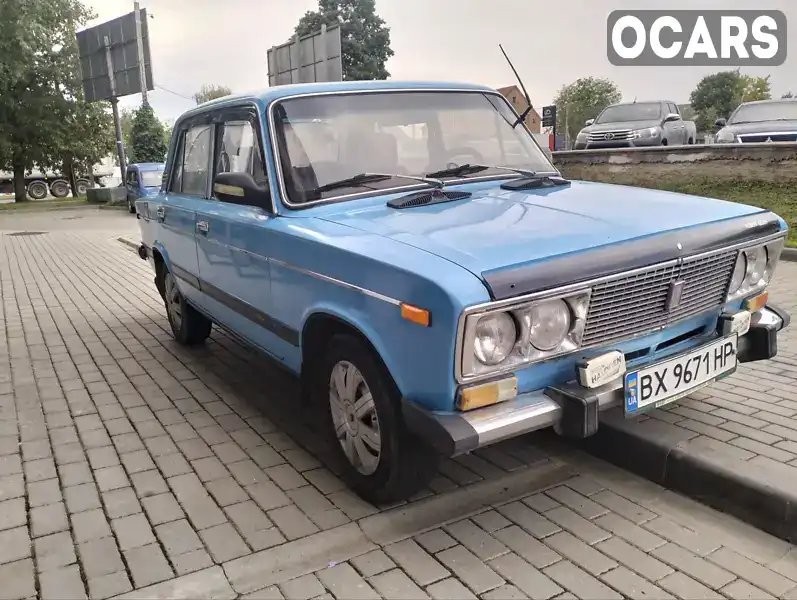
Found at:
[382, 461]
[131, 207]
[37, 190]
[82, 186]
[189, 326]
[59, 189]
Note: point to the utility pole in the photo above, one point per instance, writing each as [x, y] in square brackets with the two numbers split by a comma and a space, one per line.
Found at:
[120, 147]
[142, 71]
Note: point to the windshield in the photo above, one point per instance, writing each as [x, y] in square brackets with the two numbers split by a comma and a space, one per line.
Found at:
[151, 178]
[766, 111]
[326, 138]
[643, 111]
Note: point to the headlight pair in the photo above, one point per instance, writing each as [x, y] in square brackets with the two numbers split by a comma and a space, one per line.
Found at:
[754, 269]
[522, 334]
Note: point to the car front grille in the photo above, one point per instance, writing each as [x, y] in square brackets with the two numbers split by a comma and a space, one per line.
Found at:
[635, 304]
[750, 138]
[614, 136]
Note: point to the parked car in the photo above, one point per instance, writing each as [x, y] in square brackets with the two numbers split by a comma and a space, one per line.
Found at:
[142, 179]
[636, 124]
[762, 121]
[434, 311]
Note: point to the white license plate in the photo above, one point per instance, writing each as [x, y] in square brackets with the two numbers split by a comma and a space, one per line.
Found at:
[670, 380]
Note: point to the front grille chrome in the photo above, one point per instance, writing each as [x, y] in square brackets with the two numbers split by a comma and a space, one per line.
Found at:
[630, 306]
[611, 136]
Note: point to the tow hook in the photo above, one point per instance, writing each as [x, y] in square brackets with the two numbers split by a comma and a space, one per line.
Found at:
[143, 252]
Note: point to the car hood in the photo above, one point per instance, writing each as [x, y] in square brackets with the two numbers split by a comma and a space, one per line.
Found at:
[621, 125]
[497, 229]
[763, 126]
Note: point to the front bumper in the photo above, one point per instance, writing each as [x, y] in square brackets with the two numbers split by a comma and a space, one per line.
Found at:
[570, 408]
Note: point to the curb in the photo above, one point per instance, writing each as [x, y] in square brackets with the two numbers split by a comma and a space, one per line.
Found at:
[35, 209]
[127, 242]
[759, 492]
[789, 254]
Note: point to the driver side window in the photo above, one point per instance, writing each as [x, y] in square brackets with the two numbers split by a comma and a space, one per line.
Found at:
[239, 151]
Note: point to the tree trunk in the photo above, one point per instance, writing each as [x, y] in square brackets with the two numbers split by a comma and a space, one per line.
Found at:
[20, 193]
[68, 171]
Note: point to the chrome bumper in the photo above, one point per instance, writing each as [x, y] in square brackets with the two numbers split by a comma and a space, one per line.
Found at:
[570, 408]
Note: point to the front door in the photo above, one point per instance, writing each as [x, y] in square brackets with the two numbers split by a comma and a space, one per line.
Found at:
[189, 185]
[234, 243]
[132, 186]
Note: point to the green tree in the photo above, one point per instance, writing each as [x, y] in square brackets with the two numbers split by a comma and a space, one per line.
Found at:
[718, 95]
[211, 92]
[787, 95]
[365, 38]
[126, 119]
[38, 84]
[581, 100]
[146, 137]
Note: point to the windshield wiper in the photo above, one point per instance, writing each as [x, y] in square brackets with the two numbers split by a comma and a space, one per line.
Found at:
[468, 169]
[364, 178]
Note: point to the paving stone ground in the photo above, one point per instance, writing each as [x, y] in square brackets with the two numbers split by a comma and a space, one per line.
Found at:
[130, 465]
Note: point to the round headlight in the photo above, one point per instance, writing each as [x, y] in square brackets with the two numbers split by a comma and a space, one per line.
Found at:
[550, 324]
[756, 264]
[739, 273]
[495, 337]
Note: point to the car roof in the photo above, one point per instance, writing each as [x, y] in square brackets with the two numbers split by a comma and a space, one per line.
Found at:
[770, 101]
[270, 94]
[148, 166]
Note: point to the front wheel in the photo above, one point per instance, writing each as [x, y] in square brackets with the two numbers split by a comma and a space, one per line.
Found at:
[189, 326]
[37, 190]
[382, 461]
[131, 207]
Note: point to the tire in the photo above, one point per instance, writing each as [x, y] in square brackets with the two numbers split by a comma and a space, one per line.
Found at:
[403, 464]
[59, 189]
[131, 208]
[664, 142]
[37, 190]
[189, 326]
[82, 186]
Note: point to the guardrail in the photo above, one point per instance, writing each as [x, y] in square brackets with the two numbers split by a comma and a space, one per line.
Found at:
[772, 162]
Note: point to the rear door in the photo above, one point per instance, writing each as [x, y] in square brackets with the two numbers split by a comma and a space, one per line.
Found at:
[175, 211]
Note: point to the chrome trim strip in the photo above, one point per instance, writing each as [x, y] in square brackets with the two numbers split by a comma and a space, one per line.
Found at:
[767, 133]
[487, 307]
[345, 284]
[277, 159]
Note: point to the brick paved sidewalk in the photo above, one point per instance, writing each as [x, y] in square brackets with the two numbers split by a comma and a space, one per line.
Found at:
[130, 463]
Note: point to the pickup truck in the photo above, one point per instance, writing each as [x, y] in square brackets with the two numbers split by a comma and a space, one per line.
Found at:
[432, 305]
[637, 124]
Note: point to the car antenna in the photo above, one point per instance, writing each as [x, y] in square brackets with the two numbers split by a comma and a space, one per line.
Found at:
[523, 87]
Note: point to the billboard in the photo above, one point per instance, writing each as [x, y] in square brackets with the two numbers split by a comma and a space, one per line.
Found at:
[316, 57]
[121, 34]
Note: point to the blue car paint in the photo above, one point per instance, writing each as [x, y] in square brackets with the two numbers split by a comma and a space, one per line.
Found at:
[431, 257]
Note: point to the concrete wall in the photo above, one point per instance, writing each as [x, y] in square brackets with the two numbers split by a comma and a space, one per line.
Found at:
[682, 164]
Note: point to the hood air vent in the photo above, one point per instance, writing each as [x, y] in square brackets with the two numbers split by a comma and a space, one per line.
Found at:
[427, 198]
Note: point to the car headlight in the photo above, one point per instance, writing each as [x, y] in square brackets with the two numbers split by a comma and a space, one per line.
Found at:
[495, 337]
[581, 137]
[500, 339]
[725, 136]
[646, 133]
[549, 324]
[754, 269]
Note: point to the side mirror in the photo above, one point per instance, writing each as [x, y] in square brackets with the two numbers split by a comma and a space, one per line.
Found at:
[720, 122]
[589, 122]
[241, 188]
[672, 117]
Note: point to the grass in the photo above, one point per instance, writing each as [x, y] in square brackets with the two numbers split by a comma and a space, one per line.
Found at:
[780, 198]
[44, 204]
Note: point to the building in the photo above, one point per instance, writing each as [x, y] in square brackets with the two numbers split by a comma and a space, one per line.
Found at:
[515, 96]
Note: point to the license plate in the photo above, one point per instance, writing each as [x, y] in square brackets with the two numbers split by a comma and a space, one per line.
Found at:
[667, 381]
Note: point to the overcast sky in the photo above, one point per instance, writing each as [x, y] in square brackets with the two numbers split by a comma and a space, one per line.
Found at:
[552, 43]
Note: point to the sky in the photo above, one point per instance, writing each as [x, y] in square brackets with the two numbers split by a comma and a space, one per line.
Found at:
[551, 43]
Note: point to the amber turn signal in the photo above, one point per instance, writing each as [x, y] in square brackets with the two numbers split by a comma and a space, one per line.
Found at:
[487, 394]
[756, 303]
[416, 315]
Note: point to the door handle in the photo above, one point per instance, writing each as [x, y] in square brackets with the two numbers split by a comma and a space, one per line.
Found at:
[161, 212]
[202, 226]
